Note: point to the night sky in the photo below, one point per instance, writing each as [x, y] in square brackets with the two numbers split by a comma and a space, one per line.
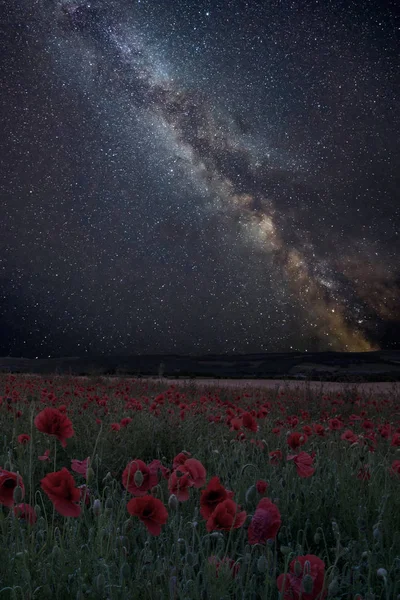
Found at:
[198, 176]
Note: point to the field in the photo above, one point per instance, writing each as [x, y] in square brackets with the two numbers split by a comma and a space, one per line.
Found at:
[143, 489]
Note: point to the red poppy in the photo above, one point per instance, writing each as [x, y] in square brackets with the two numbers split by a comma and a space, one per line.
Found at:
[249, 422]
[335, 424]
[275, 457]
[261, 486]
[25, 512]
[319, 429]
[179, 484]
[125, 422]
[196, 472]
[180, 459]
[265, 523]
[60, 488]
[226, 516]
[23, 439]
[115, 427]
[80, 466]
[235, 424]
[138, 478]
[292, 584]
[296, 439]
[151, 511]
[349, 436]
[8, 482]
[303, 462]
[54, 422]
[395, 440]
[212, 496]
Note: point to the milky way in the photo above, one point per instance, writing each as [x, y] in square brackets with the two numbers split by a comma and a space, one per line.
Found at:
[218, 177]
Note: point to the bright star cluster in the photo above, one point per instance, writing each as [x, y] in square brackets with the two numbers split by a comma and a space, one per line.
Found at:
[192, 177]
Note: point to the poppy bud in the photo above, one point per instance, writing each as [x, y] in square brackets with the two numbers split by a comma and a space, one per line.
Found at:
[109, 504]
[56, 553]
[97, 508]
[333, 587]
[250, 494]
[190, 559]
[286, 550]
[317, 537]
[173, 502]
[307, 567]
[262, 564]
[38, 510]
[381, 573]
[100, 583]
[18, 494]
[89, 475]
[138, 478]
[298, 569]
[308, 584]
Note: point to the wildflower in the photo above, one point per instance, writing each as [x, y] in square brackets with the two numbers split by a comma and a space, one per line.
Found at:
[150, 477]
[212, 496]
[261, 486]
[80, 466]
[115, 427]
[97, 507]
[61, 490]
[179, 484]
[53, 422]
[265, 523]
[395, 440]
[125, 422]
[349, 436]
[25, 512]
[296, 439]
[151, 511]
[226, 516]
[249, 422]
[305, 579]
[8, 482]
[23, 439]
[275, 457]
[303, 462]
[196, 472]
[180, 459]
[319, 429]
[335, 424]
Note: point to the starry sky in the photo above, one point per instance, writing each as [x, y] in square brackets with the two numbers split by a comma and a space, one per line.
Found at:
[198, 176]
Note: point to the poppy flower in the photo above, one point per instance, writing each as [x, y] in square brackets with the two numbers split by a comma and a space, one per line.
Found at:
[54, 422]
[265, 523]
[138, 478]
[335, 424]
[115, 427]
[23, 439]
[179, 484]
[212, 496]
[25, 512]
[180, 459]
[80, 466]
[275, 457]
[196, 472]
[249, 422]
[303, 462]
[305, 579]
[125, 422]
[8, 482]
[151, 511]
[395, 440]
[46, 456]
[261, 486]
[319, 429]
[296, 439]
[349, 436]
[226, 516]
[235, 424]
[61, 490]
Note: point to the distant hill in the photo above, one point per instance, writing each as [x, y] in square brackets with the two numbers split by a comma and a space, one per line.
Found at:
[324, 366]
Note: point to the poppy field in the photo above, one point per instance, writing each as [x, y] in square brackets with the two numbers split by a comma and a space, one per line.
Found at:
[142, 489]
